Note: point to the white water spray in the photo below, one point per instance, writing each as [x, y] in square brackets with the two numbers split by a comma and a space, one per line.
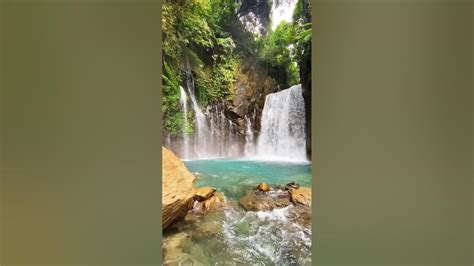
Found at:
[249, 149]
[184, 103]
[201, 129]
[214, 134]
[282, 135]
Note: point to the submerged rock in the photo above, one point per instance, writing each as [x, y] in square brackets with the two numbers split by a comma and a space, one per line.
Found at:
[177, 187]
[301, 215]
[204, 193]
[174, 246]
[301, 195]
[209, 224]
[280, 196]
[198, 255]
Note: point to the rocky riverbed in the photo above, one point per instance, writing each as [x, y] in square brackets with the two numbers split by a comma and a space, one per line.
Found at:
[267, 224]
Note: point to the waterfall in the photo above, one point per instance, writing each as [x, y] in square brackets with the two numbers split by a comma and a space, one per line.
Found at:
[201, 129]
[222, 120]
[184, 103]
[230, 142]
[282, 135]
[214, 141]
[282, 128]
[214, 134]
[249, 149]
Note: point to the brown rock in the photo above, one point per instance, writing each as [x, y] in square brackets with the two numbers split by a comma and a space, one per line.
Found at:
[251, 203]
[292, 185]
[263, 187]
[204, 193]
[252, 84]
[220, 196]
[177, 188]
[210, 224]
[215, 201]
[259, 201]
[173, 246]
[301, 195]
[301, 215]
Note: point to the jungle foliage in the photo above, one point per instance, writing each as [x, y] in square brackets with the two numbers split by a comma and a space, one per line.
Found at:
[207, 38]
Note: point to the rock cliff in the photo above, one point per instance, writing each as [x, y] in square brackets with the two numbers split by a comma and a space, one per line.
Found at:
[177, 188]
[252, 85]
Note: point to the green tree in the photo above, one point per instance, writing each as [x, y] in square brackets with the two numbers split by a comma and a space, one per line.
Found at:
[278, 51]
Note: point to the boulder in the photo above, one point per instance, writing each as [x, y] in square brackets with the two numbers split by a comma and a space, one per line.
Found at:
[261, 201]
[263, 187]
[251, 203]
[204, 193]
[292, 185]
[177, 188]
[215, 201]
[301, 195]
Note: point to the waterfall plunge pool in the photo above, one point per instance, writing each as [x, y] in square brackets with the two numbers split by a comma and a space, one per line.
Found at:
[233, 236]
[233, 176]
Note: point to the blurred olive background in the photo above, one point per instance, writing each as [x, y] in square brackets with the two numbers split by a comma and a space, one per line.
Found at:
[393, 132]
[392, 127]
[81, 132]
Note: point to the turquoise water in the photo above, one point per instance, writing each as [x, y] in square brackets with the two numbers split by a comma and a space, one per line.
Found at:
[233, 177]
[232, 236]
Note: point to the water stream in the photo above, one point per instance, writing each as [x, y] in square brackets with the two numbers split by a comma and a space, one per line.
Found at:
[233, 236]
[275, 155]
[213, 136]
[249, 149]
[233, 155]
[282, 136]
[184, 103]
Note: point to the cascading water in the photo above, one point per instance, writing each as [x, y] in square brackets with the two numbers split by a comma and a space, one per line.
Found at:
[249, 149]
[232, 143]
[222, 121]
[200, 119]
[214, 134]
[282, 135]
[184, 103]
[282, 128]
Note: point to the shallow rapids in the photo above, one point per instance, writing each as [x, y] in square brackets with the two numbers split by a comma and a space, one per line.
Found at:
[233, 236]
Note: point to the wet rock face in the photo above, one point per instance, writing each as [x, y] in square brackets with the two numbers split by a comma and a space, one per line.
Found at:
[292, 185]
[251, 87]
[177, 187]
[173, 247]
[278, 196]
[256, 200]
[214, 201]
[301, 196]
[263, 187]
[204, 193]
